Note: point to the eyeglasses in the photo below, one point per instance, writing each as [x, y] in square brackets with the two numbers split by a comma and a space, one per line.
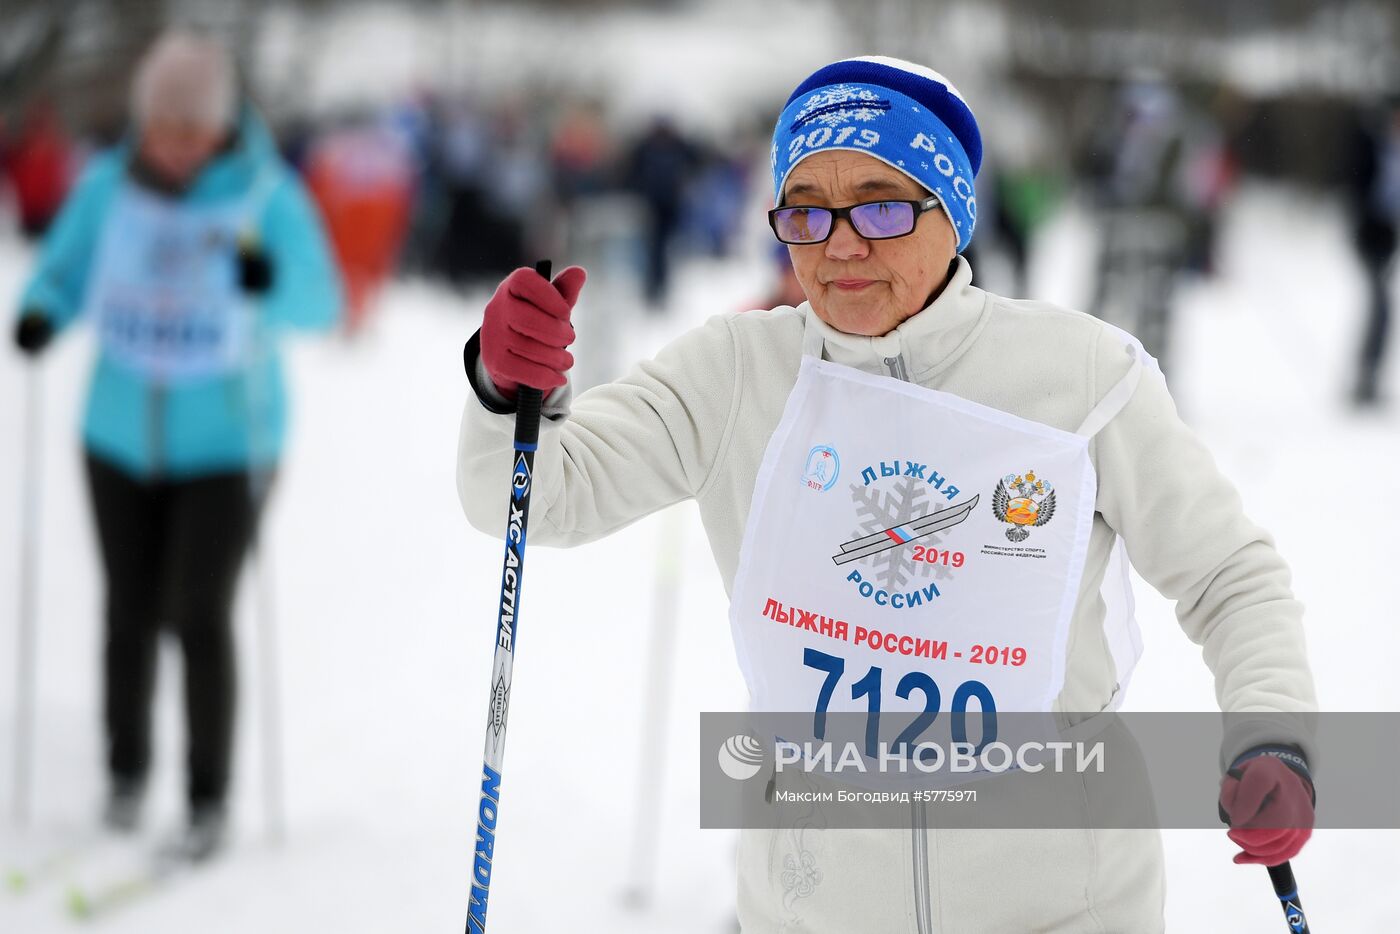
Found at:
[873, 220]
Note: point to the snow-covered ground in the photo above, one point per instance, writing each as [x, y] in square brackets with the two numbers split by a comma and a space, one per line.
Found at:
[384, 626]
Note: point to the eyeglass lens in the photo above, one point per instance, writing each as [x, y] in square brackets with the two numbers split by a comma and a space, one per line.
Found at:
[803, 225]
[883, 219]
[877, 220]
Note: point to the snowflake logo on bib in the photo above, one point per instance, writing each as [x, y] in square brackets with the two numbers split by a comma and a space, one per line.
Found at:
[840, 104]
[1023, 501]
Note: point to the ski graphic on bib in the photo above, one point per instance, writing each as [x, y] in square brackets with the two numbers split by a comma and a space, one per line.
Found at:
[904, 533]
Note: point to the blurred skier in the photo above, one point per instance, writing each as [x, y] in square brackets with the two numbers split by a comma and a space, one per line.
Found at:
[578, 152]
[659, 168]
[190, 246]
[38, 163]
[1026, 196]
[1146, 164]
[1374, 179]
[362, 180]
[716, 198]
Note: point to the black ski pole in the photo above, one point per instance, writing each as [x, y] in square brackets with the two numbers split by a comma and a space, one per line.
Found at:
[260, 476]
[527, 433]
[1286, 888]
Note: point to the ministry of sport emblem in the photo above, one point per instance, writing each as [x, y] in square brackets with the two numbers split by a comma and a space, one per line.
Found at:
[822, 468]
[1023, 501]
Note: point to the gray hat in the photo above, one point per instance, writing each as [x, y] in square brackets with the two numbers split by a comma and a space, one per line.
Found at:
[185, 78]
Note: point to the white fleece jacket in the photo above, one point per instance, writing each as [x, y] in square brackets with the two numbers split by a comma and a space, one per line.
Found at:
[695, 422]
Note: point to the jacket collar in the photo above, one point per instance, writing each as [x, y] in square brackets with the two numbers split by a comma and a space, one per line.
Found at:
[230, 173]
[929, 341]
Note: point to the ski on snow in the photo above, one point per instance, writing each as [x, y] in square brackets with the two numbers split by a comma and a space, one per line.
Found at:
[87, 900]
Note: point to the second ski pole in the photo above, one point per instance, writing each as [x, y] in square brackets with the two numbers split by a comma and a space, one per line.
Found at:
[26, 655]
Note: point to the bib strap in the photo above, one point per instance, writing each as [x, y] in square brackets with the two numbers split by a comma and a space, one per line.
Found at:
[1113, 401]
[812, 341]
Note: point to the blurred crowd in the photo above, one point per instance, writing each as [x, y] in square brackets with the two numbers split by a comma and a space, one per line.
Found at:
[463, 188]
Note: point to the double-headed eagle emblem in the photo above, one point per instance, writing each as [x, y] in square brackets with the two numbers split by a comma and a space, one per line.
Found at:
[1023, 501]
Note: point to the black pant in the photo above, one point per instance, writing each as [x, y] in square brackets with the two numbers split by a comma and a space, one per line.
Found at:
[172, 551]
[662, 229]
[1377, 249]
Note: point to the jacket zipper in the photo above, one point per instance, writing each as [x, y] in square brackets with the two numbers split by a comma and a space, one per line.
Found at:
[923, 902]
[895, 365]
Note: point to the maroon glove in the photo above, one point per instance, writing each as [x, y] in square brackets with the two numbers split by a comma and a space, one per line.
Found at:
[1269, 807]
[527, 328]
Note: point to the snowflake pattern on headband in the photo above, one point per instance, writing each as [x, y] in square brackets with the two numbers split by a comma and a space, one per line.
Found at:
[840, 104]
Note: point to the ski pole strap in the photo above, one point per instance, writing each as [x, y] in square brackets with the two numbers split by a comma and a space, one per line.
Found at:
[1286, 888]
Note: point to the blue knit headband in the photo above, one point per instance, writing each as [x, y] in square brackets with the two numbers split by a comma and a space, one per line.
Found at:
[906, 116]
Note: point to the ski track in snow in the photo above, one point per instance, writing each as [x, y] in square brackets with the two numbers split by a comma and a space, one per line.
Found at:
[384, 601]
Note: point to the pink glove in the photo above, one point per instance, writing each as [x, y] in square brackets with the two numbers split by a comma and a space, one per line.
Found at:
[527, 328]
[1269, 808]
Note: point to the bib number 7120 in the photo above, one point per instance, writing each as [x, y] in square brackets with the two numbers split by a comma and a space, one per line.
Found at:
[869, 687]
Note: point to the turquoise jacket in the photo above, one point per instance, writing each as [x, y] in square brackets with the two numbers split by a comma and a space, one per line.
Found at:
[232, 421]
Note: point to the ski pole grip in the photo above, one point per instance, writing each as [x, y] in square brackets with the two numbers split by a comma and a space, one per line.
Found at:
[1286, 888]
[527, 398]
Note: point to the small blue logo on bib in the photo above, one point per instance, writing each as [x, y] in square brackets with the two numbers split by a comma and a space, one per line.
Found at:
[823, 467]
